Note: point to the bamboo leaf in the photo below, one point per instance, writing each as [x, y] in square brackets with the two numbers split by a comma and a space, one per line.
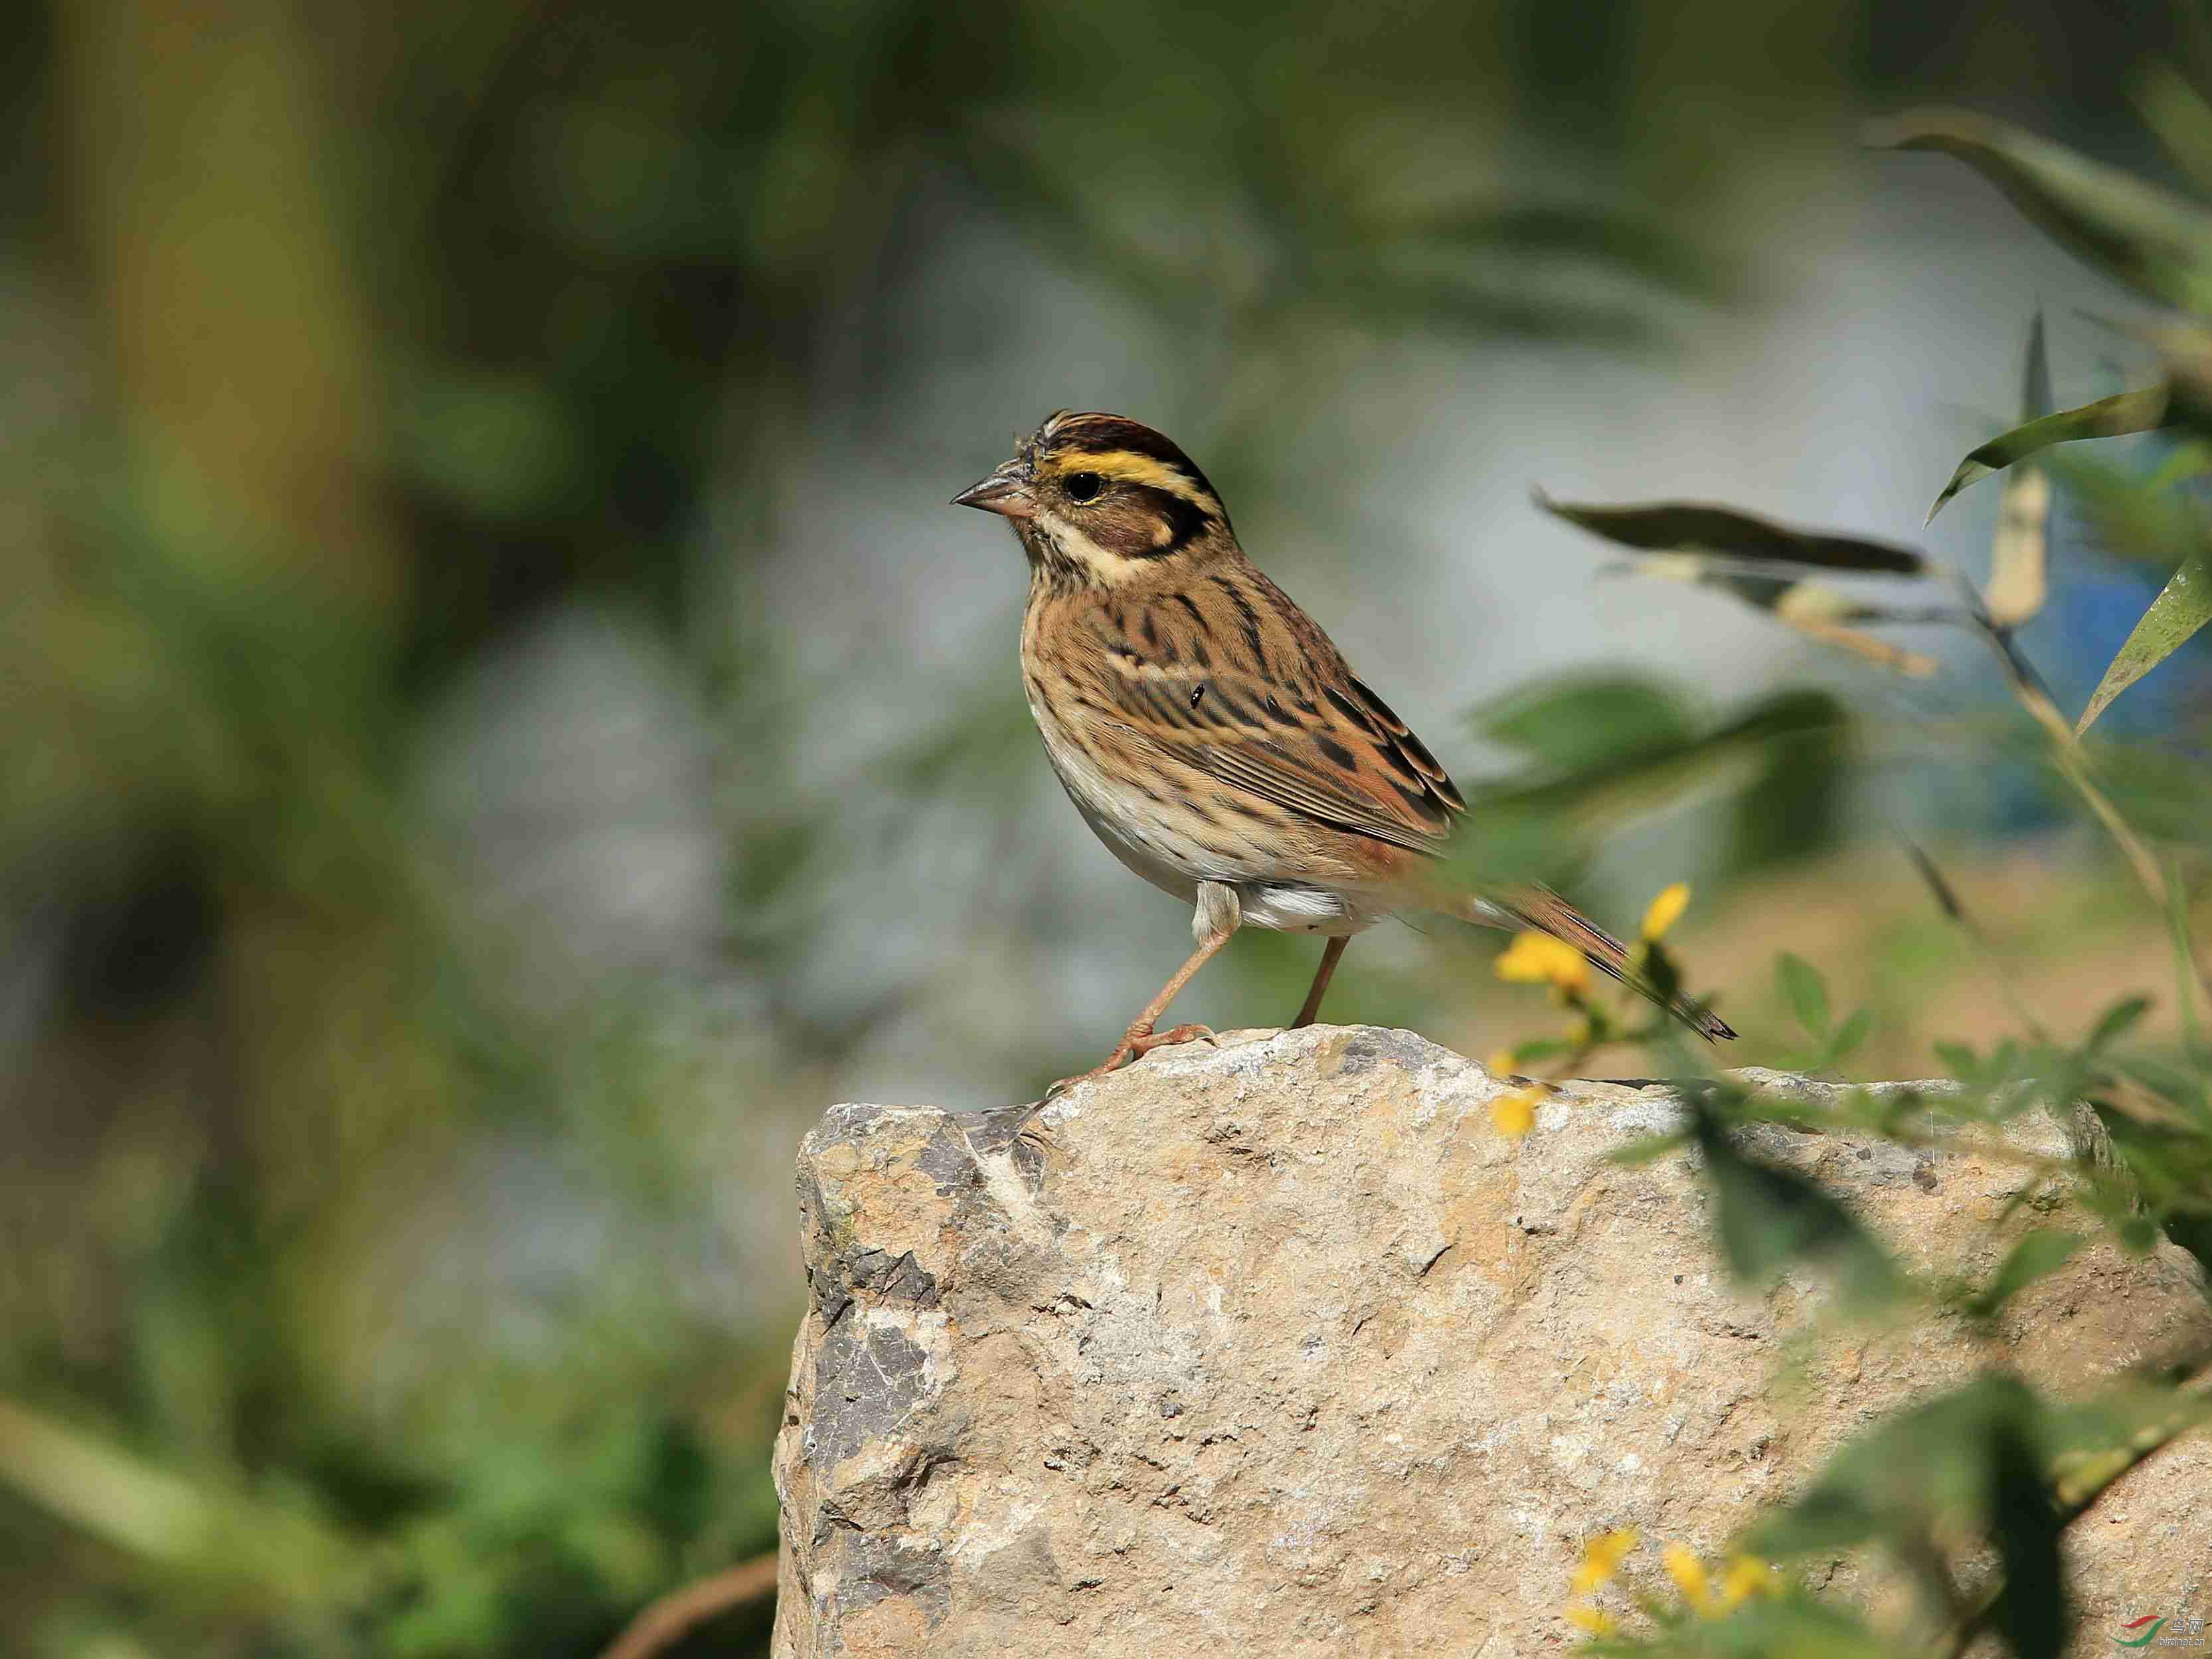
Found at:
[2108, 417]
[2182, 606]
[1814, 608]
[1696, 527]
[2151, 240]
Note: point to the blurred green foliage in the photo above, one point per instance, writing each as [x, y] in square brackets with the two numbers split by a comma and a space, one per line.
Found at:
[378, 1280]
[1995, 1467]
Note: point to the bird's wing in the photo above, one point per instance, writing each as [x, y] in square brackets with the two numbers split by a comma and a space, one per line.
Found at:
[1225, 674]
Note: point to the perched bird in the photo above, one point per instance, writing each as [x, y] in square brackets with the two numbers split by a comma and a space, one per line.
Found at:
[1211, 734]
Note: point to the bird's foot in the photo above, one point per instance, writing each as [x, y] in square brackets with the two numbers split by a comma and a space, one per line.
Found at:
[1134, 1045]
[1144, 1045]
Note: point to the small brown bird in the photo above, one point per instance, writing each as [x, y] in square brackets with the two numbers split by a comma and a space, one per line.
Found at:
[1208, 731]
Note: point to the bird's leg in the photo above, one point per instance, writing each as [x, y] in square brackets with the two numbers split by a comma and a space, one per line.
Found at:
[1328, 957]
[1217, 916]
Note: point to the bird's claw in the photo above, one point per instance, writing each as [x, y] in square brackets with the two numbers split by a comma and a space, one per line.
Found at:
[1134, 1046]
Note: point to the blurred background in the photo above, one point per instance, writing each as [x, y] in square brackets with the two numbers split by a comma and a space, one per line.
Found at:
[503, 728]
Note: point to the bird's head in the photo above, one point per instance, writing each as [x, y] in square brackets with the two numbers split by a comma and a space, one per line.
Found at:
[1101, 500]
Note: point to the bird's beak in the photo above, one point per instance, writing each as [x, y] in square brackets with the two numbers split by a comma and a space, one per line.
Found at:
[1006, 492]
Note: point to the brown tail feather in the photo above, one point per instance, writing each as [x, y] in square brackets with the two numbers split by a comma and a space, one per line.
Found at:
[1544, 910]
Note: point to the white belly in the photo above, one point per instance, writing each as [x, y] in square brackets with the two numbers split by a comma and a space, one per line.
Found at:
[1148, 843]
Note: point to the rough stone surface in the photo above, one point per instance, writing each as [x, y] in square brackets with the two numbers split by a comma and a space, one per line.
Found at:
[1281, 1348]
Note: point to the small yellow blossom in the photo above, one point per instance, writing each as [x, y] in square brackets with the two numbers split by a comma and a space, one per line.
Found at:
[1742, 1578]
[1601, 1559]
[1689, 1576]
[1501, 1064]
[1596, 1621]
[1540, 959]
[1514, 1114]
[1666, 910]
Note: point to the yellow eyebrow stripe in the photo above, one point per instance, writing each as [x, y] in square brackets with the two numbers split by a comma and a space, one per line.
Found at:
[1128, 466]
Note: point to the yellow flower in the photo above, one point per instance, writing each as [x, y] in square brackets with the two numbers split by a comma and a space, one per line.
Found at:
[1514, 1114]
[1540, 959]
[1582, 1616]
[1501, 1064]
[1689, 1576]
[1742, 1578]
[1601, 1559]
[1666, 910]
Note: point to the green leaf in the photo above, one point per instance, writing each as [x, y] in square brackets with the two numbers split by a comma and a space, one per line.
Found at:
[1721, 532]
[1848, 1038]
[1921, 1470]
[2151, 240]
[1959, 1061]
[1770, 1217]
[2173, 109]
[1798, 1625]
[2108, 417]
[2039, 1252]
[2116, 1022]
[1585, 719]
[1805, 991]
[1521, 827]
[2182, 606]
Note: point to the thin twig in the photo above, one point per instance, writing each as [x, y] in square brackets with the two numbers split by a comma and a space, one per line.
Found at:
[669, 1619]
[2184, 954]
[1947, 899]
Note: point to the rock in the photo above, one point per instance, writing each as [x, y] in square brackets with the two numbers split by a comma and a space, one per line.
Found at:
[1281, 1348]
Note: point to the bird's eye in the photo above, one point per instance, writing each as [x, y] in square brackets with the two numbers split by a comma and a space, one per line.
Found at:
[1084, 486]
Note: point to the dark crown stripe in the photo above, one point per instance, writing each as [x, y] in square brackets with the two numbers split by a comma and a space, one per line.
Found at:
[1102, 434]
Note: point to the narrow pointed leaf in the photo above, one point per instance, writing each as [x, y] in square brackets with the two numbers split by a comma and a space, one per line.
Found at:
[2035, 394]
[1805, 990]
[2040, 1252]
[1721, 532]
[2177, 112]
[1814, 608]
[2116, 1022]
[2151, 240]
[1769, 1217]
[2108, 417]
[1850, 1035]
[2182, 607]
